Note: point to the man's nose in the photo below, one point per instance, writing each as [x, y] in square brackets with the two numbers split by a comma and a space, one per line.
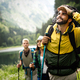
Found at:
[60, 14]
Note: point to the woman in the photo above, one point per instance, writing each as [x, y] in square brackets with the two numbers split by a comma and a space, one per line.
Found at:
[37, 61]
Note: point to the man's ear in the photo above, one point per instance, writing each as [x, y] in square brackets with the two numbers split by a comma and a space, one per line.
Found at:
[69, 20]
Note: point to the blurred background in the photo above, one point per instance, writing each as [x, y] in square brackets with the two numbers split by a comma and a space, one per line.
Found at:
[24, 19]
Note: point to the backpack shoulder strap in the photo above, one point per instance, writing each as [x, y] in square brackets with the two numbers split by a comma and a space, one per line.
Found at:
[72, 40]
[51, 29]
[21, 54]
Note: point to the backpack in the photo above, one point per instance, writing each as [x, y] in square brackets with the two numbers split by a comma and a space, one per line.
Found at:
[32, 51]
[72, 40]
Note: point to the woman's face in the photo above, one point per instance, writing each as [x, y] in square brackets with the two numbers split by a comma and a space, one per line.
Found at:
[39, 43]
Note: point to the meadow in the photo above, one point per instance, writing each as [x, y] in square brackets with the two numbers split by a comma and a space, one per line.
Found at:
[10, 72]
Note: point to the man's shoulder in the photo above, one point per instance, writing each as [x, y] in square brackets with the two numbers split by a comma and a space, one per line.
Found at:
[54, 26]
[77, 29]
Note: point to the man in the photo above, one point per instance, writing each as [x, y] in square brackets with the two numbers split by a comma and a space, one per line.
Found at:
[26, 59]
[60, 55]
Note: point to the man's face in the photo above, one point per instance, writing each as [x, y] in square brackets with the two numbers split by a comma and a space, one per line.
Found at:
[25, 44]
[62, 17]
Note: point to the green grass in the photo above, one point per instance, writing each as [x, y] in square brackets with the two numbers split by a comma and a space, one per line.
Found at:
[78, 75]
[10, 72]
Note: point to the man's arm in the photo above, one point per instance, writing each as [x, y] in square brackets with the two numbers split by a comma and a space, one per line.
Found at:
[76, 16]
[20, 63]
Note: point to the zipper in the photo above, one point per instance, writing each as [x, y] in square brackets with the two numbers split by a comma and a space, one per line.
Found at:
[59, 52]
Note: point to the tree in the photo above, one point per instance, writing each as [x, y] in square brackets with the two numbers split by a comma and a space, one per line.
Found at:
[10, 41]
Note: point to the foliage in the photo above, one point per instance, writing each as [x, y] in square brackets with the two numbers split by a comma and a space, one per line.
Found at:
[4, 44]
[10, 72]
[10, 41]
[12, 35]
[70, 2]
[27, 14]
[74, 3]
[44, 26]
[78, 74]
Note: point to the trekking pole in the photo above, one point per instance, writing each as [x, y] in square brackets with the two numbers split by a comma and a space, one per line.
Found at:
[18, 73]
[43, 61]
[31, 73]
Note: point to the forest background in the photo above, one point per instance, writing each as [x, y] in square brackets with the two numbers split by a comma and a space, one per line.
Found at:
[12, 35]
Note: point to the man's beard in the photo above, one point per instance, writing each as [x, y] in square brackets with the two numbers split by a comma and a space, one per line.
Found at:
[62, 22]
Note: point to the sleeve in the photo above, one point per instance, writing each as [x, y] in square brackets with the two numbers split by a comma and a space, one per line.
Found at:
[37, 63]
[77, 36]
[76, 16]
[35, 59]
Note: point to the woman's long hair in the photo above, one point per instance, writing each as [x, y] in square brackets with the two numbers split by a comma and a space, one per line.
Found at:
[37, 48]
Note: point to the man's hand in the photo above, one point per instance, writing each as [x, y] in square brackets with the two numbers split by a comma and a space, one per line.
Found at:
[45, 40]
[18, 65]
[65, 8]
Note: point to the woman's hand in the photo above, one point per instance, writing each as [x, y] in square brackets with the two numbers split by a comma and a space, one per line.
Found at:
[31, 65]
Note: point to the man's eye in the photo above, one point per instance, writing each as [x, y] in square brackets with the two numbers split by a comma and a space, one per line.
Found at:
[64, 13]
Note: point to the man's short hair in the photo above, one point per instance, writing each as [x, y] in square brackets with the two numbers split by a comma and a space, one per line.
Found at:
[72, 8]
[25, 39]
